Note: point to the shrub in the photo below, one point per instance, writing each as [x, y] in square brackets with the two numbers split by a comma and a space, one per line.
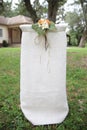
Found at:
[5, 43]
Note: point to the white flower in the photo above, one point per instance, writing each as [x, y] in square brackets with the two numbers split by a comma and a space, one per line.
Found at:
[39, 25]
[45, 26]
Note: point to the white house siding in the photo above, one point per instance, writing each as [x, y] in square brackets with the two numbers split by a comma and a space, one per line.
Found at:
[4, 33]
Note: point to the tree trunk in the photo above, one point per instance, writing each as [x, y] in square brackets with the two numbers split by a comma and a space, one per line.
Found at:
[84, 9]
[52, 9]
[83, 39]
[84, 36]
[68, 39]
[31, 11]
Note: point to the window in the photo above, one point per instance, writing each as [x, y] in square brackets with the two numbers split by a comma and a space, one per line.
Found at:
[0, 32]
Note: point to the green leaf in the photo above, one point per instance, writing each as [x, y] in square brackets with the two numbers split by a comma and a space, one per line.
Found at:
[38, 29]
[52, 27]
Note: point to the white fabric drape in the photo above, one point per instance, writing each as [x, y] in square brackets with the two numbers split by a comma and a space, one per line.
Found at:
[43, 76]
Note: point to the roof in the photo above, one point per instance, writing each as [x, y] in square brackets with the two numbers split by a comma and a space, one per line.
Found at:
[20, 19]
[3, 20]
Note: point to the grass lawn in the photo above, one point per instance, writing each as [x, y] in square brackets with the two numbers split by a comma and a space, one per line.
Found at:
[11, 117]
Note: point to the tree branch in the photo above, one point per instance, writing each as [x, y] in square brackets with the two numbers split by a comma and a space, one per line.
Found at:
[52, 9]
[31, 11]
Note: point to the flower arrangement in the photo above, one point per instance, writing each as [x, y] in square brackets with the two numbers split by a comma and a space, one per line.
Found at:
[42, 27]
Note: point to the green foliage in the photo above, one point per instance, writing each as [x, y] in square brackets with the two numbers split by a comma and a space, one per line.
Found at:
[75, 35]
[52, 27]
[6, 10]
[11, 117]
[73, 38]
[78, 22]
[39, 30]
[75, 20]
[20, 9]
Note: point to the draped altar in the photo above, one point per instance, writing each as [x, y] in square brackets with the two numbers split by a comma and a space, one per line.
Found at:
[43, 95]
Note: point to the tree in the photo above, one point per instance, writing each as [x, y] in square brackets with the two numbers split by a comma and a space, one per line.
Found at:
[6, 9]
[78, 22]
[20, 9]
[31, 10]
[84, 36]
[53, 6]
[76, 27]
[1, 6]
[35, 11]
[83, 4]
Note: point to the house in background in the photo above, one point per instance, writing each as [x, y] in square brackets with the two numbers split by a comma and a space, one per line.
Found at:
[9, 28]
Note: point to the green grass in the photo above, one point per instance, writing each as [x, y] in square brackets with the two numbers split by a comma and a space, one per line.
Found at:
[11, 117]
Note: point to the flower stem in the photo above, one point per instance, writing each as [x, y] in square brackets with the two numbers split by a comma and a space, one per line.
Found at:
[45, 42]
